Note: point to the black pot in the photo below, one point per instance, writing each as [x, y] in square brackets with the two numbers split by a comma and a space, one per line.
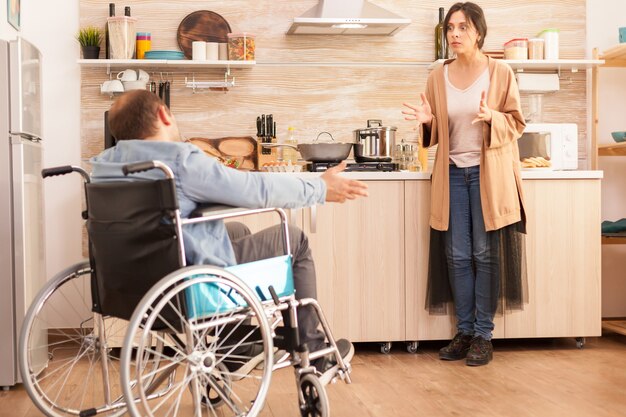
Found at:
[90, 52]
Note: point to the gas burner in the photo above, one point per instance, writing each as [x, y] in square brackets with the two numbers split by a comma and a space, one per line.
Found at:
[354, 166]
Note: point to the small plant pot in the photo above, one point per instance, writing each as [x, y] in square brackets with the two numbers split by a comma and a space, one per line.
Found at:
[90, 52]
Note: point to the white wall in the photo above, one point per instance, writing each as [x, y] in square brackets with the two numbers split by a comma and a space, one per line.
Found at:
[51, 26]
[603, 20]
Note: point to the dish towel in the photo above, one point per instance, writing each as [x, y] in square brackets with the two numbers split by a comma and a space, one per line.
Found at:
[614, 227]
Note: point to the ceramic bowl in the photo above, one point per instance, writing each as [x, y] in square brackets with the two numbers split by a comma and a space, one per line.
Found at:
[134, 85]
[619, 136]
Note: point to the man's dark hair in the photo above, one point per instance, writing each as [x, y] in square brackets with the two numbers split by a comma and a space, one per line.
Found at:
[474, 14]
[134, 115]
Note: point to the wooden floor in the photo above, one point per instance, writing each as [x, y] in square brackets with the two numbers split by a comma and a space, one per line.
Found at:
[543, 377]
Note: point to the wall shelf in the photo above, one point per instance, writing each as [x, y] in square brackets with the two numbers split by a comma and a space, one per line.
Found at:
[615, 56]
[521, 65]
[115, 64]
[612, 149]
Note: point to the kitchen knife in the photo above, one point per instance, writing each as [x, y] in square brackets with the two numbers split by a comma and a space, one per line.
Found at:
[258, 126]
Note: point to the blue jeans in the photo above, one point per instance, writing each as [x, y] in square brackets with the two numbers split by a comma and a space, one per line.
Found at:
[471, 261]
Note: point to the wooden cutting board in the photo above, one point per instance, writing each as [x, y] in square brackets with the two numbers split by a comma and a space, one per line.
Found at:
[239, 150]
[201, 25]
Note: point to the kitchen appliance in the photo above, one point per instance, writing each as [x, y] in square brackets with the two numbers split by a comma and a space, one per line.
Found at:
[556, 142]
[22, 263]
[375, 143]
[362, 167]
[347, 17]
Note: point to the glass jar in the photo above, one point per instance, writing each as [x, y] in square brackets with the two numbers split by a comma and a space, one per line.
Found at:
[241, 46]
[535, 48]
[516, 49]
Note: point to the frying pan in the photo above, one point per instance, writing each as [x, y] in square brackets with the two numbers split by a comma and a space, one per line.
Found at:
[318, 152]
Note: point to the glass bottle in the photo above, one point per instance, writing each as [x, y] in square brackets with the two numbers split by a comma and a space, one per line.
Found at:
[107, 51]
[440, 38]
[290, 154]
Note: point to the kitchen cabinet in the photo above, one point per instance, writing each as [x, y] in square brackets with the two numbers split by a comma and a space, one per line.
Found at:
[614, 57]
[371, 259]
[358, 249]
[563, 261]
[563, 264]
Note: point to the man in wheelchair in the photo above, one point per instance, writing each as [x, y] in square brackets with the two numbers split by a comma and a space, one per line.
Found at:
[146, 130]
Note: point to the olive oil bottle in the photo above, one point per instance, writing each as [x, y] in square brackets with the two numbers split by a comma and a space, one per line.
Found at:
[441, 46]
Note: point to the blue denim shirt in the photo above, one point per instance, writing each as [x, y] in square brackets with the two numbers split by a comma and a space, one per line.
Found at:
[202, 179]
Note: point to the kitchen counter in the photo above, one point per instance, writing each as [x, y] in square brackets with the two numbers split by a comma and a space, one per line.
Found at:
[538, 174]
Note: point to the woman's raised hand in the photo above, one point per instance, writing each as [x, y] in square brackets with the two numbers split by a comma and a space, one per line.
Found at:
[422, 113]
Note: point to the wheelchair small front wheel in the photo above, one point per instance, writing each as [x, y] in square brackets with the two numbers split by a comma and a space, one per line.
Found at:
[313, 397]
[216, 334]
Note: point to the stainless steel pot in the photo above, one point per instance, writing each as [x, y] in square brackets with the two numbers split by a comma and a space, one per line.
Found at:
[376, 143]
[319, 152]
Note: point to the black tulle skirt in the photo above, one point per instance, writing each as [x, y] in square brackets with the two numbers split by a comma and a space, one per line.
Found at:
[509, 282]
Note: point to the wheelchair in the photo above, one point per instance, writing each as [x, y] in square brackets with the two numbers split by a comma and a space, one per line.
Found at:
[184, 330]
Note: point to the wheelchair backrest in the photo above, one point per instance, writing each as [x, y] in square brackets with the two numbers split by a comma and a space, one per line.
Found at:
[132, 241]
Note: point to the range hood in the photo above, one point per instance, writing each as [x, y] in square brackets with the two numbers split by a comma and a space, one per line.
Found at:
[347, 17]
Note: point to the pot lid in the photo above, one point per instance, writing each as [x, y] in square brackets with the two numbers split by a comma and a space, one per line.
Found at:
[375, 129]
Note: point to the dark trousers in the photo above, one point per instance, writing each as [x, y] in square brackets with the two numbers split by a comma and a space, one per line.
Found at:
[269, 243]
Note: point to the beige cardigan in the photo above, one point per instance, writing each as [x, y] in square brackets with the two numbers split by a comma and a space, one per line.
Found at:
[500, 180]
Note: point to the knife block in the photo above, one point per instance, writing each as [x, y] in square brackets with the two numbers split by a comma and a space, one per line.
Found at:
[265, 158]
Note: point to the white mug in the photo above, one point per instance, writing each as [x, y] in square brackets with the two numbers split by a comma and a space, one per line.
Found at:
[198, 51]
[127, 75]
[223, 51]
[212, 51]
[112, 86]
[142, 75]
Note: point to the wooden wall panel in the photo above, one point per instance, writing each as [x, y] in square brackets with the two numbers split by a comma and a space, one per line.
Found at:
[337, 98]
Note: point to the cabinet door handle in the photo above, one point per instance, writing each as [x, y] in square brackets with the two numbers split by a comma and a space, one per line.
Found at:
[313, 221]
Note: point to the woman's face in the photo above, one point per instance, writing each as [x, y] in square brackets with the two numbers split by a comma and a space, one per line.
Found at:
[462, 35]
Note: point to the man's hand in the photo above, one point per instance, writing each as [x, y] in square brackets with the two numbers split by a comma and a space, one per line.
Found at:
[422, 113]
[484, 113]
[339, 189]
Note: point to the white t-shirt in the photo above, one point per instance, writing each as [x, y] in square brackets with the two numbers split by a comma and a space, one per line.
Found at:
[463, 105]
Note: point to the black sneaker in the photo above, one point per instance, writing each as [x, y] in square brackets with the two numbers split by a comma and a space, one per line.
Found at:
[457, 349]
[480, 352]
[327, 366]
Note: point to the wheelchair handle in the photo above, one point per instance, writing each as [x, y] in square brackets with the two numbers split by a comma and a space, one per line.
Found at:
[62, 170]
[147, 166]
[51, 172]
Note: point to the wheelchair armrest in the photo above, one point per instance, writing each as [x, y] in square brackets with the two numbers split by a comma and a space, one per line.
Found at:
[207, 212]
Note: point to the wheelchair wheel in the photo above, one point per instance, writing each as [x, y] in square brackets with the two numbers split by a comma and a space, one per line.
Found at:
[217, 333]
[313, 397]
[65, 362]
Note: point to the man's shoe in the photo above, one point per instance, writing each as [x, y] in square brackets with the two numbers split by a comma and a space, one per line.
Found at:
[457, 349]
[480, 352]
[327, 366]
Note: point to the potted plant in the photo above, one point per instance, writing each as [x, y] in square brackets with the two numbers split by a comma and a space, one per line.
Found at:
[89, 39]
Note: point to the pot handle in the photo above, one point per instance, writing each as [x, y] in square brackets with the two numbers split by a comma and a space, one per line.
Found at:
[322, 133]
[370, 122]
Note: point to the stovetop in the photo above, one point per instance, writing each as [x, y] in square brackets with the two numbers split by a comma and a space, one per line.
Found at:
[354, 166]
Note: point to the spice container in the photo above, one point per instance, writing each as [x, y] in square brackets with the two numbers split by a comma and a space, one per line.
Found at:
[535, 48]
[241, 46]
[551, 39]
[144, 41]
[516, 49]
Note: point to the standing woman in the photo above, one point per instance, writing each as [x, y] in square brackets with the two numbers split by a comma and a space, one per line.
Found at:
[471, 109]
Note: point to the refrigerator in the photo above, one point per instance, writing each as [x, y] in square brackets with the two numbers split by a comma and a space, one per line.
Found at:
[22, 261]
